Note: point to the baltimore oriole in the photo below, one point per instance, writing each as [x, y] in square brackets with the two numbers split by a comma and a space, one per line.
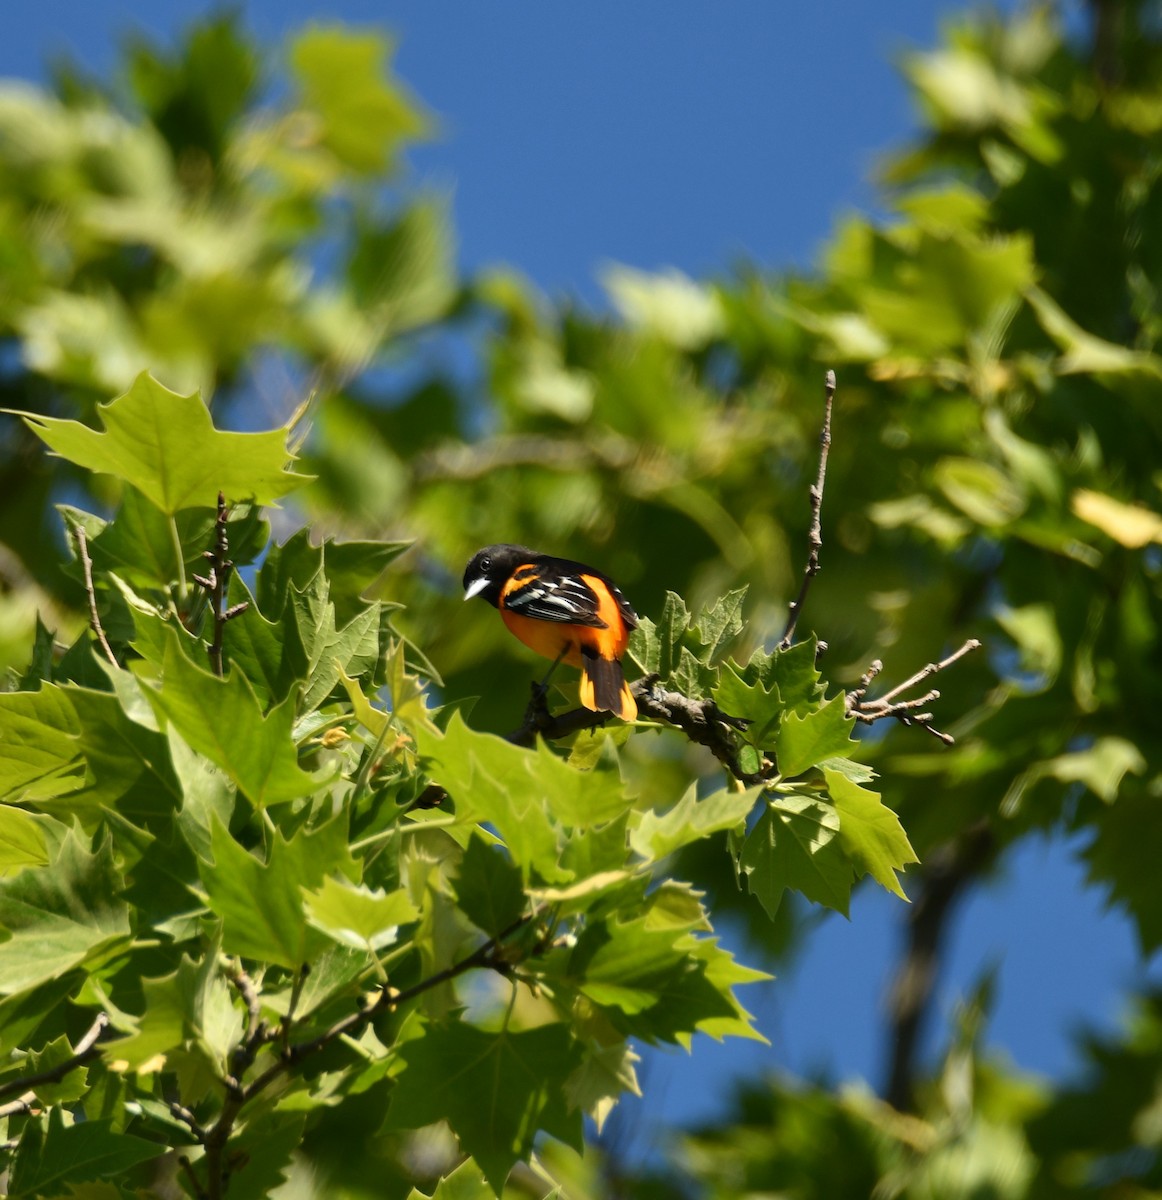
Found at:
[564, 610]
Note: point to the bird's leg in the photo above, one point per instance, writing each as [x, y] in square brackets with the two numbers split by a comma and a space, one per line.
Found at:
[537, 714]
[542, 688]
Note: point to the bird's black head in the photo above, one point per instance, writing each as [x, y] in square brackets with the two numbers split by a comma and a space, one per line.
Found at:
[489, 569]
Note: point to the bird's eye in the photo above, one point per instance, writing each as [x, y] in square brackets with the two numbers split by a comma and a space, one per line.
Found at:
[486, 565]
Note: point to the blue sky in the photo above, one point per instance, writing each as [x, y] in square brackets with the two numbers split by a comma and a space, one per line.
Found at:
[669, 133]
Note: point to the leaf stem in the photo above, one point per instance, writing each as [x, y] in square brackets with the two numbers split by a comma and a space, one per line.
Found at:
[183, 586]
[414, 827]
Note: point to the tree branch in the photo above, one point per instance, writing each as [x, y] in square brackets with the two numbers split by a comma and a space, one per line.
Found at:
[891, 704]
[215, 584]
[87, 567]
[946, 874]
[815, 534]
[702, 721]
[86, 1050]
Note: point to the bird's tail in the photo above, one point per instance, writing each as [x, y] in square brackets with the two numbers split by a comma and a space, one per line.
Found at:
[603, 687]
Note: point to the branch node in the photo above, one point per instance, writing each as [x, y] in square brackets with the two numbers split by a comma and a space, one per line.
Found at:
[892, 704]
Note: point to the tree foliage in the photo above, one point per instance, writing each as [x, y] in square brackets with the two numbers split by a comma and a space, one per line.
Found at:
[281, 908]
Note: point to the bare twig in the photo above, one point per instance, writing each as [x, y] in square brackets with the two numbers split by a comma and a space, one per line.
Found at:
[90, 591]
[215, 584]
[891, 704]
[86, 1050]
[815, 534]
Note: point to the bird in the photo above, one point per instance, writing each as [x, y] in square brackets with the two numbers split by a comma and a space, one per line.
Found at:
[565, 611]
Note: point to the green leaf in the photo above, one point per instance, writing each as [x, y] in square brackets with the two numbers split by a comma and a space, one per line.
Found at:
[261, 903]
[796, 844]
[725, 974]
[68, 1090]
[717, 625]
[645, 975]
[465, 1183]
[358, 916]
[1101, 767]
[793, 673]
[138, 544]
[22, 840]
[58, 916]
[762, 707]
[496, 1090]
[604, 1074]
[221, 719]
[526, 795]
[675, 620]
[690, 820]
[488, 888]
[645, 648]
[982, 492]
[166, 446]
[869, 832]
[52, 1154]
[39, 755]
[127, 762]
[803, 742]
[354, 649]
[193, 1005]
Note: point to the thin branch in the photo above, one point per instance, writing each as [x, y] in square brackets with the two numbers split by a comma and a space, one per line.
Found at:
[947, 872]
[187, 1118]
[296, 991]
[86, 1050]
[702, 721]
[215, 584]
[188, 1170]
[90, 591]
[238, 1095]
[18, 1108]
[815, 535]
[256, 1032]
[893, 705]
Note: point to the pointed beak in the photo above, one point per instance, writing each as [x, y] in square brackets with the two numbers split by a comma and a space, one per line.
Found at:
[475, 587]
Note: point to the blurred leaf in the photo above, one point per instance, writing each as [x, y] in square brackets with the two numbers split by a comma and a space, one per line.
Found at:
[1130, 524]
[364, 114]
[51, 1154]
[670, 305]
[1101, 767]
